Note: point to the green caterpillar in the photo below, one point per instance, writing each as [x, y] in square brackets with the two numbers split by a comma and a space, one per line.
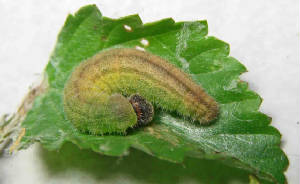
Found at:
[115, 90]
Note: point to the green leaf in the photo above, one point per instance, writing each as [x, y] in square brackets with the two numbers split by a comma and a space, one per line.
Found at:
[240, 137]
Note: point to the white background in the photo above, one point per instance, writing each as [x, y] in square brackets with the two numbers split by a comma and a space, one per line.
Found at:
[263, 35]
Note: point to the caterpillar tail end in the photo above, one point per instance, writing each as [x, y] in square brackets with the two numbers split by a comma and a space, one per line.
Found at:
[211, 115]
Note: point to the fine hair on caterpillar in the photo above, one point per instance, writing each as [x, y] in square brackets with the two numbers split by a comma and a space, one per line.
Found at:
[116, 89]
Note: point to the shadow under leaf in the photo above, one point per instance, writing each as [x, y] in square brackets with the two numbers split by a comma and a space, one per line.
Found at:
[138, 167]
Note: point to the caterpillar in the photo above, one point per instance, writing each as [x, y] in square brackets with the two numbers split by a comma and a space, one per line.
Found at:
[119, 88]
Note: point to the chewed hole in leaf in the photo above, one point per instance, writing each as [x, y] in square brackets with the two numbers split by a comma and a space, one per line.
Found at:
[144, 42]
[127, 28]
[139, 48]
